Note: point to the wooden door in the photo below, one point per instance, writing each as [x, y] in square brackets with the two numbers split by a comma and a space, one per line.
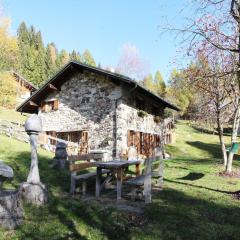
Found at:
[83, 148]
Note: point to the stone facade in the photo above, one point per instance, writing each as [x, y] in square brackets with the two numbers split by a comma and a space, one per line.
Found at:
[86, 102]
[128, 118]
[91, 102]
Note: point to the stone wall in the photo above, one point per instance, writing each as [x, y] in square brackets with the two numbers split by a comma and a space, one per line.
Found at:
[128, 119]
[14, 130]
[86, 102]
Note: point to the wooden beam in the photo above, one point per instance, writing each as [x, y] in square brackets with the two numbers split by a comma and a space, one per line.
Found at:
[52, 87]
[31, 103]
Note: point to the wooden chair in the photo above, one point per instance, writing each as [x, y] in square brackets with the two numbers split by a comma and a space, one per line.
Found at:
[153, 168]
[157, 168]
[77, 168]
[142, 184]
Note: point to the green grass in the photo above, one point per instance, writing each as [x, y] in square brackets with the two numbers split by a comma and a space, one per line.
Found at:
[195, 202]
[12, 115]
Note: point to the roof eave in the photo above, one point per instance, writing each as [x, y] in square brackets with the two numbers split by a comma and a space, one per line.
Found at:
[96, 70]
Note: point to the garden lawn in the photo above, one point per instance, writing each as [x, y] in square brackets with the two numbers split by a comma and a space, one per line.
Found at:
[195, 203]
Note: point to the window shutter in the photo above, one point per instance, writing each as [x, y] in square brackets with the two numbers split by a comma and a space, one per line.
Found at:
[43, 108]
[137, 141]
[83, 148]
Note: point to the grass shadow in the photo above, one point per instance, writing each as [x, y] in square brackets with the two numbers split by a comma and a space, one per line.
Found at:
[197, 186]
[214, 150]
[175, 215]
[192, 176]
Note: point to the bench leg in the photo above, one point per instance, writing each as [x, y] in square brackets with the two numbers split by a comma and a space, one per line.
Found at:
[148, 188]
[138, 170]
[119, 183]
[133, 194]
[84, 188]
[73, 183]
[98, 182]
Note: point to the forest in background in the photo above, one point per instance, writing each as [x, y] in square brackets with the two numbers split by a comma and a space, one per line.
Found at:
[27, 54]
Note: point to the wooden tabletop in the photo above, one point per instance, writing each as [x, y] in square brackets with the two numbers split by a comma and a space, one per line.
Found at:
[117, 163]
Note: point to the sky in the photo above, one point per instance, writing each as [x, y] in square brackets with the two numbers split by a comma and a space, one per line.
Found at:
[103, 27]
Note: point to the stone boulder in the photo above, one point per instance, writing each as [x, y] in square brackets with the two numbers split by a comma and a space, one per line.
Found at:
[34, 193]
[6, 172]
[11, 210]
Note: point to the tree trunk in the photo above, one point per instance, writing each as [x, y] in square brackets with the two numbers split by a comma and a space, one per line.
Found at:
[234, 136]
[237, 111]
[220, 135]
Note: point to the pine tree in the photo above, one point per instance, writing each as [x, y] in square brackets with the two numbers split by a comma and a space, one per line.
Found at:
[23, 34]
[62, 58]
[40, 56]
[26, 51]
[33, 64]
[32, 54]
[88, 59]
[75, 56]
[148, 83]
[50, 59]
[160, 84]
[32, 34]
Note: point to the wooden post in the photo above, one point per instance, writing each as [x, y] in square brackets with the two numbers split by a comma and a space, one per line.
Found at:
[138, 169]
[147, 181]
[119, 183]
[84, 187]
[98, 182]
[73, 183]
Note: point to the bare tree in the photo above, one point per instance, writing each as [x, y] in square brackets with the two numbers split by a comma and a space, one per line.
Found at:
[217, 26]
[131, 64]
[216, 90]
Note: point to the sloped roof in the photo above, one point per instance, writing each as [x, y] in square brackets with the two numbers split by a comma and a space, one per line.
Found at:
[27, 84]
[54, 83]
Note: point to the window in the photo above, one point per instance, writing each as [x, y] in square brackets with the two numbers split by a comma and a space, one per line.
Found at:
[130, 138]
[50, 106]
[144, 142]
[79, 137]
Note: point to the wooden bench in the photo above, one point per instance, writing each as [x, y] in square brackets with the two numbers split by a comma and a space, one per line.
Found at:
[76, 168]
[143, 184]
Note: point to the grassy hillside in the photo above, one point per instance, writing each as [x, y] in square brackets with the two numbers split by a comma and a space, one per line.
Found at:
[12, 115]
[195, 204]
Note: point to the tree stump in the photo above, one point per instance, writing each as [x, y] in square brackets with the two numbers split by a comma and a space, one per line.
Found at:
[35, 193]
[11, 211]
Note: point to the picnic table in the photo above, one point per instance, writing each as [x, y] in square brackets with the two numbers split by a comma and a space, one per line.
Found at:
[117, 166]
